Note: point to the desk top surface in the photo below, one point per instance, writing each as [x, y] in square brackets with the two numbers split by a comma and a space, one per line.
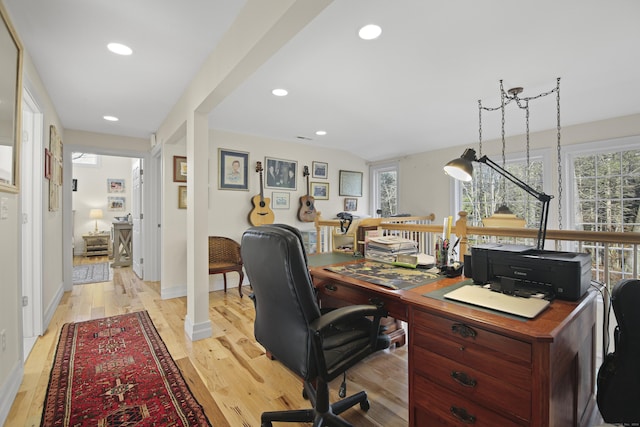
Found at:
[544, 327]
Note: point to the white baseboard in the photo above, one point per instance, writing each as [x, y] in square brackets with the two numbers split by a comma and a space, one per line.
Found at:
[9, 390]
[199, 331]
[51, 308]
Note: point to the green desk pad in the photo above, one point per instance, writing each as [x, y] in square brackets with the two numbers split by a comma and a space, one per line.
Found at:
[386, 275]
[328, 258]
[439, 295]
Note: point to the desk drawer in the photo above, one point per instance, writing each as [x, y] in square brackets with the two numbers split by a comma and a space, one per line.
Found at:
[352, 295]
[488, 391]
[476, 357]
[499, 346]
[438, 406]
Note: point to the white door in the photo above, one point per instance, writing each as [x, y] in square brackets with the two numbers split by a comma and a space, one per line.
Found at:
[31, 178]
[136, 213]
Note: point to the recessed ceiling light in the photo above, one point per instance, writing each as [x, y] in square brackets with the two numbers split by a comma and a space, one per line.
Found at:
[280, 92]
[119, 49]
[370, 32]
[111, 118]
[321, 132]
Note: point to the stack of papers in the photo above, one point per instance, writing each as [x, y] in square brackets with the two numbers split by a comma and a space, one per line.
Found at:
[387, 248]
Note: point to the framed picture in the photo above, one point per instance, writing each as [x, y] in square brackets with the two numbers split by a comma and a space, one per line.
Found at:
[233, 167]
[319, 190]
[179, 169]
[281, 173]
[350, 183]
[47, 163]
[115, 185]
[350, 204]
[319, 170]
[182, 197]
[115, 203]
[280, 200]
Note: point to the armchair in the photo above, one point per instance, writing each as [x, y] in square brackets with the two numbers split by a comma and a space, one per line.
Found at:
[290, 325]
[225, 257]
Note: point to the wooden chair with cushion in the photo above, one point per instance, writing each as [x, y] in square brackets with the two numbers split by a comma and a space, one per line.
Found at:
[224, 257]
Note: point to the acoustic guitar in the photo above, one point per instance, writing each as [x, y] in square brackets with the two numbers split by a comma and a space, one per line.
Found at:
[261, 213]
[307, 212]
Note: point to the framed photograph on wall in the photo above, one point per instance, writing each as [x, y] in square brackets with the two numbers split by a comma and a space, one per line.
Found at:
[319, 190]
[280, 200]
[281, 174]
[115, 185]
[179, 169]
[116, 203]
[233, 168]
[319, 170]
[350, 204]
[350, 183]
[182, 197]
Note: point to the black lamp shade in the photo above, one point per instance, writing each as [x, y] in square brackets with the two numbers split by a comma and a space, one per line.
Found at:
[461, 168]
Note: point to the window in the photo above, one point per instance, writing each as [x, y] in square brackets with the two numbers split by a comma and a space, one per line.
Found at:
[384, 184]
[488, 190]
[88, 159]
[605, 196]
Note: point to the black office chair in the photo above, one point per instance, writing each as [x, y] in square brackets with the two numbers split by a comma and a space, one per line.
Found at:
[289, 324]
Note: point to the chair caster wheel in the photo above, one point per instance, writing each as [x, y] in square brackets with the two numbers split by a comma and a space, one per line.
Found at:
[342, 392]
[305, 396]
[266, 424]
[364, 405]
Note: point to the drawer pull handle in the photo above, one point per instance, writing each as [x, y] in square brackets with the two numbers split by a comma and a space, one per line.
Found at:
[463, 379]
[331, 287]
[462, 415]
[377, 302]
[463, 330]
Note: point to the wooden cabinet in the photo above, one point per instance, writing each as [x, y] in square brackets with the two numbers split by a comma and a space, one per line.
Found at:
[463, 372]
[96, 244]
[122, 244]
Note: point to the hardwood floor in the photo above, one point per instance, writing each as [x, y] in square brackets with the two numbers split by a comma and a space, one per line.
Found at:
[229, 372]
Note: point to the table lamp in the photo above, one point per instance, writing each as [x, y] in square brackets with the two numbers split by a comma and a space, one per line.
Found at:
[462, 170]
[95, 214]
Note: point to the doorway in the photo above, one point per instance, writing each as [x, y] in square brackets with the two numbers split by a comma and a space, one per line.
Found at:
[31, 178]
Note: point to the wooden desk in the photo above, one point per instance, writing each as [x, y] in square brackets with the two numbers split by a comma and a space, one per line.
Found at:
[472, 366]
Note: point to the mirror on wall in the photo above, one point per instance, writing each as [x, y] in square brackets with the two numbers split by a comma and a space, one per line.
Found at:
[10, 99]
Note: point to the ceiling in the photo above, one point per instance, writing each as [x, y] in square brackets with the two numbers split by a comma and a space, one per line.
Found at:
[414, 89]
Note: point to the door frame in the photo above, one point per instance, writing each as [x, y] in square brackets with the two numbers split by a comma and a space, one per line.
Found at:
[147, 249]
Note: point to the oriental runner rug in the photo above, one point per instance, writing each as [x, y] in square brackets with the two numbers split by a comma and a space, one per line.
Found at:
[116, 371]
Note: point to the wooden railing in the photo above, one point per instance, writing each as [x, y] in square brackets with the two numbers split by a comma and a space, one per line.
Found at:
[614, 255]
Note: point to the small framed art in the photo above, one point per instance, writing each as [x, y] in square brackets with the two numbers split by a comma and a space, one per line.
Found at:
[319, 170]
[281, 174]
[350, 204]
[233, 167]
[350, 183]
[319, 190]
[115, 203]
[280, 200]
[179, 169]
[182, 197]
[115, 185]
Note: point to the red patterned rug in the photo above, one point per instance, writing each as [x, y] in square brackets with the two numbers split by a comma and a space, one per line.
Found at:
[117, 371]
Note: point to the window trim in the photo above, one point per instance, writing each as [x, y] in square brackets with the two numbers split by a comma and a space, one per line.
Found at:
[594, 147]
[374, 170]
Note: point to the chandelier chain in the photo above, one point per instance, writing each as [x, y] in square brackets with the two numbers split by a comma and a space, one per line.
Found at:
[559, 156]
[504, 159]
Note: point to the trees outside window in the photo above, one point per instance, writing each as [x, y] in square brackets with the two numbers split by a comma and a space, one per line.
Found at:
[606, 197]
[384, 181]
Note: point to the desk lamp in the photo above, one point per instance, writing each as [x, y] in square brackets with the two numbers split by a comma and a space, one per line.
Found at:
[462, 170]
[95, 214]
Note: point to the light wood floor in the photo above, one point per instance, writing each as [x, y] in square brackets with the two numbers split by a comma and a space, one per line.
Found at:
[229, 372]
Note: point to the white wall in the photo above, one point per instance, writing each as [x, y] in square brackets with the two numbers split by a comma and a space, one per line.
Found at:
[93, 194]
[229, 209]
[424, 185]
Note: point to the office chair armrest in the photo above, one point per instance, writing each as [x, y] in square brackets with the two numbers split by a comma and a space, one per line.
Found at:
[346, 313]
